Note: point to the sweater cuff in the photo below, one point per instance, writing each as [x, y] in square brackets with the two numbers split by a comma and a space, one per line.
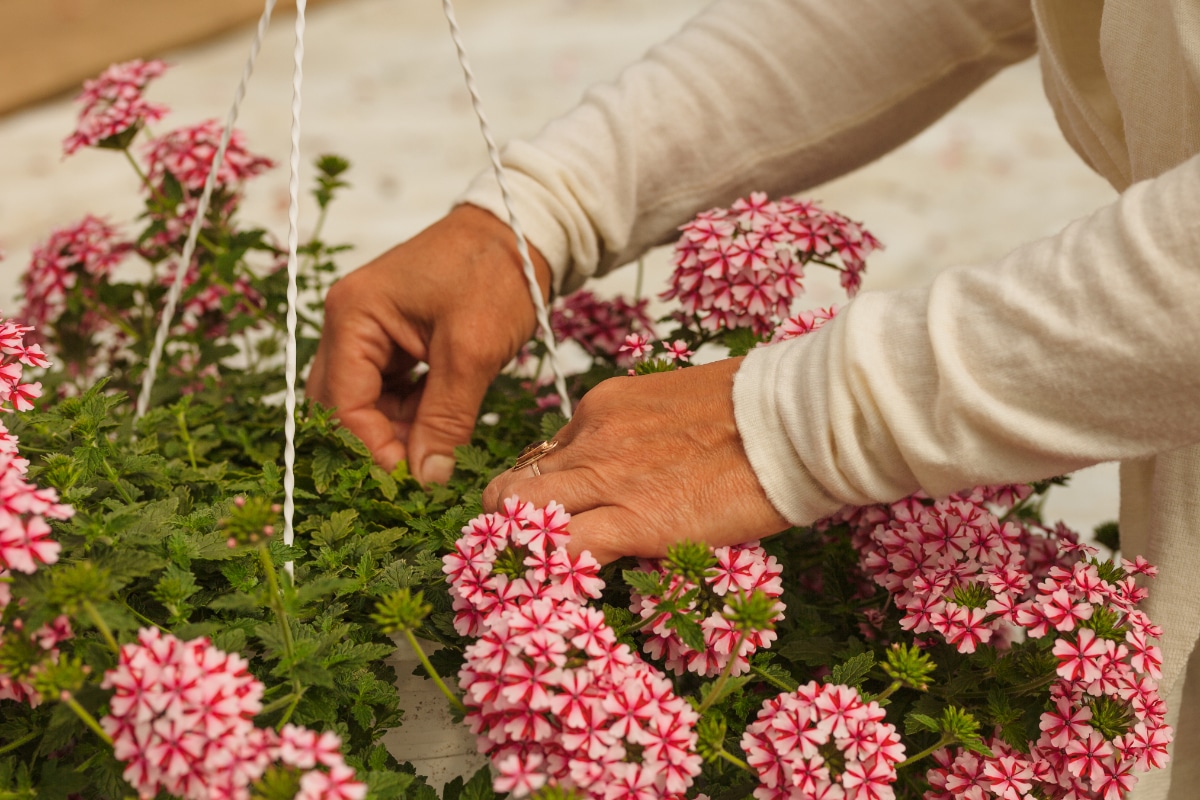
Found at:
[531, 202]
[758, 387]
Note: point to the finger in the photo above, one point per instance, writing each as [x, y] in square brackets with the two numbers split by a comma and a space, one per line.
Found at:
[609, 533]
[445, 414]
[352, 385]
[575, 490]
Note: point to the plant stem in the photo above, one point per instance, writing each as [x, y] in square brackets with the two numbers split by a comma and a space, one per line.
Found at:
[287, 715]
[641, 272]
[87, 718]
[15, 743]
[142, 617]
[94, 614]
[888, 692]
[144, 178]
[116, 482]
[277, 704]
[737, 762]
[723, 678]
[433, 673]
[947, 739]
[276, 600]
[187, 439]
[774, 680]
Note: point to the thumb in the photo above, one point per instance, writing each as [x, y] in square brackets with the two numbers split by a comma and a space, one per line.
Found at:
[445, 418]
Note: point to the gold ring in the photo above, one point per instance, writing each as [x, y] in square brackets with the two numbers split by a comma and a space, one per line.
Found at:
[532, 454]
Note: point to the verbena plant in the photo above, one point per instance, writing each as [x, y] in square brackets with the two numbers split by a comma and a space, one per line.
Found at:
[157, 638]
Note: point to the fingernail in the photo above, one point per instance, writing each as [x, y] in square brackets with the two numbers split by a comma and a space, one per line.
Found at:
[437, 468]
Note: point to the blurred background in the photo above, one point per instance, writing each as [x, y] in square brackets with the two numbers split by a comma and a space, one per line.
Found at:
[382, 89]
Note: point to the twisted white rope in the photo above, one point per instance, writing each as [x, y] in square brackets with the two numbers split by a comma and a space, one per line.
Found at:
[189, 246]
[535, 290]
[293, 267]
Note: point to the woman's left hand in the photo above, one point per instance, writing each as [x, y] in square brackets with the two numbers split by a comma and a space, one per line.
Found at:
[648, 461]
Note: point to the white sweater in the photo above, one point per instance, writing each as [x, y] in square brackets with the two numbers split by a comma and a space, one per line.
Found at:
[1070, 351]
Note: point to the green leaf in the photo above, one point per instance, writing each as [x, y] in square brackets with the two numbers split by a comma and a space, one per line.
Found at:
[326, 463]
[551, 423]
[814, 651]
[339, 525]
[688, 629]
[854, 671]
[479, 787]
[916, 723]
[645, 583]
[387, 484]
[388, 785]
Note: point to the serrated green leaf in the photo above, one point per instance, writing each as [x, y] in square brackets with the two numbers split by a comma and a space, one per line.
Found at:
[648, 584]
[854, 671]
[326, 463]
[916, 723]
[479, 787]
[387, 484]
[688, 629]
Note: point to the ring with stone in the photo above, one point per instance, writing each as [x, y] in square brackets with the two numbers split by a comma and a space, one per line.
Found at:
[533, 454]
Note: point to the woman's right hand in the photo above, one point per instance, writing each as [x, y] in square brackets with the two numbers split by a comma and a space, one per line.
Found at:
[454, 297]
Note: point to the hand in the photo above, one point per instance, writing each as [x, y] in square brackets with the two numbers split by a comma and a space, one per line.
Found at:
[648, 461]
[455, 297]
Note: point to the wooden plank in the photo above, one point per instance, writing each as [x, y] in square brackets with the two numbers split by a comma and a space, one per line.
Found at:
[51, 46]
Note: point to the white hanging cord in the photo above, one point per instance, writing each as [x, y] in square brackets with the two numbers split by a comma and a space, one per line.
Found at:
[293, 266]
[189, 246]
[535, 290]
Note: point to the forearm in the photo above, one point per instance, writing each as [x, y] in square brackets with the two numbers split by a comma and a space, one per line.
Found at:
[769, 95]
[1073, 350]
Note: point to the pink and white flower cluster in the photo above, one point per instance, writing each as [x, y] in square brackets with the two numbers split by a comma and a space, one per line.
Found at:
[740, 569]
[515, 555]
[46, 639]
[822, 742]
[188, 153]
[551, 694]
[89, 251]
[599, 326]
[554, 698]
[181, 718]
[25, 541]
[958, 572]
[113, 103]
[744, 266]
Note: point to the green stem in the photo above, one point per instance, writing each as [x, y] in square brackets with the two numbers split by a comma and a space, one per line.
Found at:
[723, 679]
[142, 617]
[888, 692]
[276, 600]
[433, 673]
[116, 482]
[641, 272]
[87, 718]
[187, 439]
[774, 680]
[144, 178]
[94, 614]
[15, 743]
[287, 715]
[947, 739]
[277, 704]
[732, 759]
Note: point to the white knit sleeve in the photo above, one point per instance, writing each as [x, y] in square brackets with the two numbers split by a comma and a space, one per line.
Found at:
[1072, 350]
[768, 95]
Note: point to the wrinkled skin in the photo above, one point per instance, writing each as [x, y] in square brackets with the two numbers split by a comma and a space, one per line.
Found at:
[644, 462]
